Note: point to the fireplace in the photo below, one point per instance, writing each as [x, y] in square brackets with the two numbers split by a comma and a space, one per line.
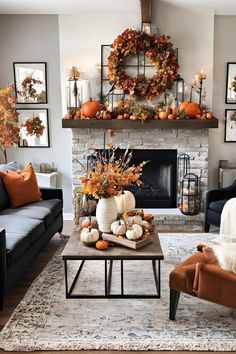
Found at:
[159, 178]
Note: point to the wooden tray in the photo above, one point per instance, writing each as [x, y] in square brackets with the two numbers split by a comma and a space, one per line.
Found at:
[127, 243]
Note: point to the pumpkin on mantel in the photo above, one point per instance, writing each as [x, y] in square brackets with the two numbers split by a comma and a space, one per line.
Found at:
[90, 108]
[192, 109]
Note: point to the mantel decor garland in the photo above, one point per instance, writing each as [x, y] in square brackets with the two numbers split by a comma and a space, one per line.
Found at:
[159, 51]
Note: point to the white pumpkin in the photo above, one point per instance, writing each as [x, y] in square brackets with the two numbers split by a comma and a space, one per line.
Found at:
[125, 202]
[135, 232]
[89, 235]
[146, 225]
[118, 228]
[136, 219]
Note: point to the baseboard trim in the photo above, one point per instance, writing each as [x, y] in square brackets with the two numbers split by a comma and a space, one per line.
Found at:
[68, 216]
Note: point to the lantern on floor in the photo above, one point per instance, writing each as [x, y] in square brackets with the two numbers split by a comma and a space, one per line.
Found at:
[189, 203]
[73, 100]
[183, 165]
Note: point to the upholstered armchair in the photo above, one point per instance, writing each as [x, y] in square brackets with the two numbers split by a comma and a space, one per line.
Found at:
[201, 276]
[215, 201]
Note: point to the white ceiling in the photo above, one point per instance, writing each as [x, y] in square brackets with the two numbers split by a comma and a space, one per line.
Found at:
[221, 7]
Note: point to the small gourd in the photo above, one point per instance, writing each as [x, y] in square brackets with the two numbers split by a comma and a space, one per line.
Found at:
[136, 219]
[89, 222]
[89, 236]
[125, 202]
[102, 245]
[118, 228]
[146, 225]
[135, 232]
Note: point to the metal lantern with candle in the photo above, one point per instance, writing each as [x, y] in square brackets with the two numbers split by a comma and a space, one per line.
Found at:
[73, 100]
[189, 194]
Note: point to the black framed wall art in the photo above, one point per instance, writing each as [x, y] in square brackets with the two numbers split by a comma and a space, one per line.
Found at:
[230, 91]
[230, 126]
[30, 80]
[34, 127]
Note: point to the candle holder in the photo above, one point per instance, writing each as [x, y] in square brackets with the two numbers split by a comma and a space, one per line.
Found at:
[201, 76]
[179, 90]
[73, 101]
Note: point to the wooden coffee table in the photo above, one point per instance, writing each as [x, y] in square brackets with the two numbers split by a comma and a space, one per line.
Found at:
[76, 250]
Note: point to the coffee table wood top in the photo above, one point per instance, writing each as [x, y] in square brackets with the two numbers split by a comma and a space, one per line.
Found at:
[75, 249]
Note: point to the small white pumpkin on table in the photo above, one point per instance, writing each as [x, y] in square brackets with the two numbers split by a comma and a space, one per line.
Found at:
[118, 227]
[89, 235]
[135, 232]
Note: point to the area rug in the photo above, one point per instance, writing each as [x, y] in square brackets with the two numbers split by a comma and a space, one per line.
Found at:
[45, 320]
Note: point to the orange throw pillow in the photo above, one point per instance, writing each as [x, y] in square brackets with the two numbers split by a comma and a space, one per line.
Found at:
[21, 186]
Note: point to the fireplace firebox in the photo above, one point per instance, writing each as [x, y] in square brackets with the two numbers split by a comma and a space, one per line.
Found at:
[159, 178]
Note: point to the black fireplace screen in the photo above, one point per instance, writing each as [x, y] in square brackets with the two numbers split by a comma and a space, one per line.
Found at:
[159, 178]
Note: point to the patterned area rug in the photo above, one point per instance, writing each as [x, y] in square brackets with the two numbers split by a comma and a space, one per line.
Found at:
[45, 320]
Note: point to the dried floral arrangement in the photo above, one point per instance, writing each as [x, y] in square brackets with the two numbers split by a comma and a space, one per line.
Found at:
[9, 128]
[110, 174]
[159, 51]
[28, 90]
[34, 126]
[232, 84]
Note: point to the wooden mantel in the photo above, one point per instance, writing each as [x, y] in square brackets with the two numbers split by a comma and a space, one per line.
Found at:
[148, 124]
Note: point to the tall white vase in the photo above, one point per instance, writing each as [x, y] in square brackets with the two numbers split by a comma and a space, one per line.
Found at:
[106, 213]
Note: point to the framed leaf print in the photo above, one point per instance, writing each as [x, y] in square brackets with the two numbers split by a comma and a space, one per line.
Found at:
[230, 93]
[230, 126]
[30, 82]
[34, 128]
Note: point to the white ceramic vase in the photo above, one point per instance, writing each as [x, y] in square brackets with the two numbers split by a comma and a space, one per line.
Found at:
[106, 213]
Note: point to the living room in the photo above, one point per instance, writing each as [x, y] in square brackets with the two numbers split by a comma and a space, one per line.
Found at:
[69, 43]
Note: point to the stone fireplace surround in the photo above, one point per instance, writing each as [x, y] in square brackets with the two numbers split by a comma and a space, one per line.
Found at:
[193, 142]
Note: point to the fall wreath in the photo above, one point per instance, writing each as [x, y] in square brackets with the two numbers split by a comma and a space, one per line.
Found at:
[159, 51]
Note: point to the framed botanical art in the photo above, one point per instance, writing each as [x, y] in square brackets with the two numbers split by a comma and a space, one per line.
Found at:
[230, 92]
[30, 82]
[230, 125]
[34, 128]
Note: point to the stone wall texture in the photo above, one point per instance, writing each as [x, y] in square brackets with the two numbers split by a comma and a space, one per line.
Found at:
[192, 142]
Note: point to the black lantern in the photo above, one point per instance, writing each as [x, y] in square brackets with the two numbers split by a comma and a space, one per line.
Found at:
[189, 203]
[73, 101]
[179, 90]
[183, 165]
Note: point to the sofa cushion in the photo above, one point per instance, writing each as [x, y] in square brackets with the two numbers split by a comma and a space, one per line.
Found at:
[20, 233]
[45, 210]
[4, 199]
[21, 186]
[218, 205]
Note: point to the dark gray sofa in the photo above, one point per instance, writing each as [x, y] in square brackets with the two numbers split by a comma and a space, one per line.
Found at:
[24, 231]
[215, 201]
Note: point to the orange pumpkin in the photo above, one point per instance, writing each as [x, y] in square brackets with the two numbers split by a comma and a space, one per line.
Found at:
[102, 245]
[209, 115]
[190, 108]
[89, 222]
[171, 116]
[90, 108]
[163, 115]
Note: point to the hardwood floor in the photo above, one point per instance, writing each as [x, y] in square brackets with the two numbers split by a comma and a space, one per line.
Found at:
[16, 294]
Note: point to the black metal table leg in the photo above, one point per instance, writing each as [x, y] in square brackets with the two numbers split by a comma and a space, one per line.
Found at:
[122, 277]
[76, 278]
[66, 279]
[109, 277]
[156, 277]
[106, 286]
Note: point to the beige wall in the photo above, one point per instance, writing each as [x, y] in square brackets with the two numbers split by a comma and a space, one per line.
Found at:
[224, 51]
